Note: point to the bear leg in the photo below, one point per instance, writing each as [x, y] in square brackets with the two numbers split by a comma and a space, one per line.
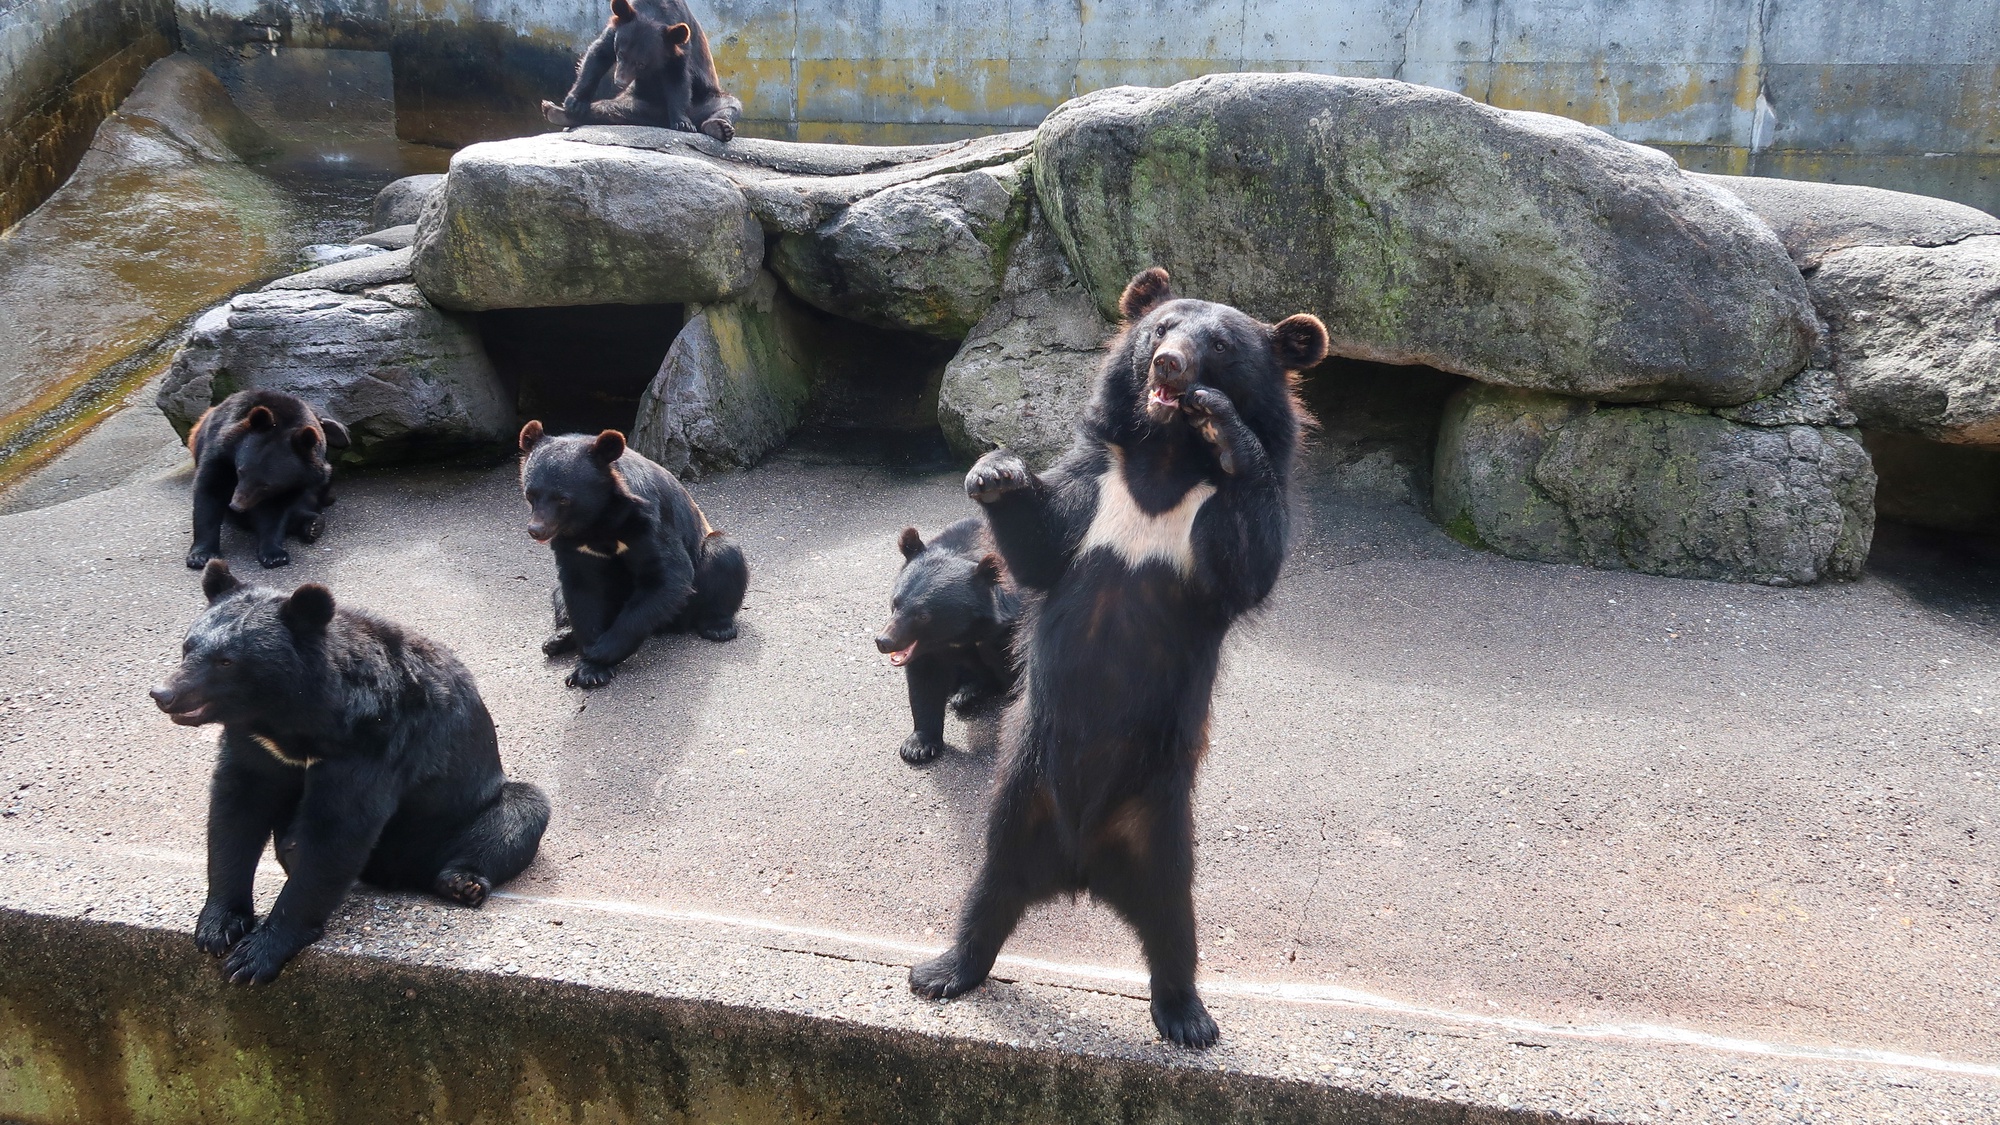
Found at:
[498, 845]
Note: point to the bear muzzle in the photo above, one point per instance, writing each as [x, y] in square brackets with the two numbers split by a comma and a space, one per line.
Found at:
[1171, 375]
[894, 648]
[184, 712]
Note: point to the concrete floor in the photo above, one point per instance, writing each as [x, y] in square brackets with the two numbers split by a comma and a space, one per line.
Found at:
[1467, 787]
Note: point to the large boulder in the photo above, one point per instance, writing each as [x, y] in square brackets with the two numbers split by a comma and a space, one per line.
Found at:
[403, 200]
[407, 379]
[546, 221]
[1424, 227]
[1022, 377]
[735, 382]
[1912, 335]
[924, 256]
[1814, 219]
[1666, 491]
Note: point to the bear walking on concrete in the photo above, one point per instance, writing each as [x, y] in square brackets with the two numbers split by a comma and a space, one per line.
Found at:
[260, 462]
[951, 628]
[634, 555]
[363, 748]
[1165, 522]
[661, 73]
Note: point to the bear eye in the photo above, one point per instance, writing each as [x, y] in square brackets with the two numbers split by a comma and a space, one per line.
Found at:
[1221, 346]
[221, 661]
[1160, 329]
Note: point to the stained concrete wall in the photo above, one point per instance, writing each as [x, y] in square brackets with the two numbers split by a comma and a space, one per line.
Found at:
[1895, 93]
[64, 66]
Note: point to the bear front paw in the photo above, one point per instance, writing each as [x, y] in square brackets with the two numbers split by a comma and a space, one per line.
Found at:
[920, 748]
[220, 928]
[559, 642]
[945, 977]
[1183, 1020]
[312, 529]
[719, 128]
[997, 474]
[589, 674]
[726, 631]
[260, 957]
[274, 558]
[467, 888]
[198, 557]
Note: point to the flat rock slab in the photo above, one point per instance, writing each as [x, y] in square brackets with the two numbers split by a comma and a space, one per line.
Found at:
[1448, 787]
[1814, 220]
[1515, 248]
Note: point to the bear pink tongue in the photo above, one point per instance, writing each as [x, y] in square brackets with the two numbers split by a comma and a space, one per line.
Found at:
[1163, 397]
[902, 656]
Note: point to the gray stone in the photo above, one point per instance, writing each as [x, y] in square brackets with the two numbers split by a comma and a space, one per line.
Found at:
[329, 253]
[545, 221]
[1911, 331]
[403, 200]
[1813, 220]
[391, 238]
[1023, 376]
[407, 379]
[352, 275]
[1540, 476]
[1515, 248]
[925, 256]
[1813, 397]
[735, 382]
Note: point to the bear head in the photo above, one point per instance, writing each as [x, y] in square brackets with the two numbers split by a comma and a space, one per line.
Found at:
[279, 448]
[648, 49]
[1171, 344]
[942, 598]
[252, 656]
[571, 481]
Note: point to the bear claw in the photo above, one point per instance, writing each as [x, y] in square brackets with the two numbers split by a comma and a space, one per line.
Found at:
[944, 977]
[997, 474]
[917, 749]
[466, 888]
[219, 930]
[719, 129]
[589, 674]
[1185, 1022]
[725, 632]
[559, 642]
[271, 560]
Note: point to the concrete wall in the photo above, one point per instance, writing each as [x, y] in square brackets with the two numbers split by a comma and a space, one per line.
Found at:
[64, 66]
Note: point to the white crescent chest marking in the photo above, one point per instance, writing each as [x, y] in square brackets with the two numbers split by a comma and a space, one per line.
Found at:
[278, 752]
[1135, 535]
[587, 549]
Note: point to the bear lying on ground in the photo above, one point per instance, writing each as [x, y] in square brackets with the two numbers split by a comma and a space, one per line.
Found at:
[260, 462]
[661, 74]
[951, 628]
[634, 555]
[1165, 522]
[363, 748]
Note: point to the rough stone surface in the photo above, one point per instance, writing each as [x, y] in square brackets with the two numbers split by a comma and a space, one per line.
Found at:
[1681, 494]
[926, 256]
[403, 200]
[352, 275]
[1911, 332]
[1022, 377]
[734, 384]
[407, 379]
[1813, 397]
[1814, 219]
[391, 238]
[1515, 248]
[545, 221]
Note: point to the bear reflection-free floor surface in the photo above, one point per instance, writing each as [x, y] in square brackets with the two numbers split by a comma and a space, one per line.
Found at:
[1438, 776]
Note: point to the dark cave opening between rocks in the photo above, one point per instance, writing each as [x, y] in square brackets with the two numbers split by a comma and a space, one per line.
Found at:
[1378, 427]
[580, 368]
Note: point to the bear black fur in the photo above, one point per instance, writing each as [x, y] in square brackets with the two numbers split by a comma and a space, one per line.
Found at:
[634, 555]
[363, 748]
[1166, 521]
[951, 628]
[260, 462]
[661, 74]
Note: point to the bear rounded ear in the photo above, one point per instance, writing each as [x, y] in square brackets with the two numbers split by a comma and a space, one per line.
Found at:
[1148, 290]
[531, 434]
[910, 543]
[306, 440]
[261, 418]
[217, 582]
[609, 446]
[1300, 340]
[678, 34]
[308, 609]
[990, 571]
[621, 10]
[336, 434]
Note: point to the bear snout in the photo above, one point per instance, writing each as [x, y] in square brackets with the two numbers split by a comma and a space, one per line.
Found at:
[163, 698]
[1171, 368]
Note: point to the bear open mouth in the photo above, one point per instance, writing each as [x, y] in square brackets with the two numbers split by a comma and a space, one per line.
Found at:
[1161, 396]
[539, 536]
[901, 656]
[193, 716]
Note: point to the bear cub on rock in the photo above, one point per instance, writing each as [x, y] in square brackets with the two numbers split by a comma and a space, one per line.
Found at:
[951, 628]
[363, 748]
[1164, 523]
[260, 462]
[661, 74]
[634, 555]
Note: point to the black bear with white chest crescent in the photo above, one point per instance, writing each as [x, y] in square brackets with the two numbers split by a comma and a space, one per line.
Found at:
[634, 555]
[363, 748]
[661, 72]
[260, 462]
[1165, 522]
[951, 629]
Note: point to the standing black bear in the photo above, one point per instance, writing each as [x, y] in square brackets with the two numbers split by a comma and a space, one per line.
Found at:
[260, 462]
[634, 555]
[951, 628]
[364, 748]
[1164, 523]
[661, 74]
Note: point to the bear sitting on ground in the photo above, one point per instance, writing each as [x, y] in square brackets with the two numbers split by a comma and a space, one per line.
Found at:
[634, 555]
[661, 74]
[363, 748]
[951, 628]
[260, 462]
[1164, 523]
